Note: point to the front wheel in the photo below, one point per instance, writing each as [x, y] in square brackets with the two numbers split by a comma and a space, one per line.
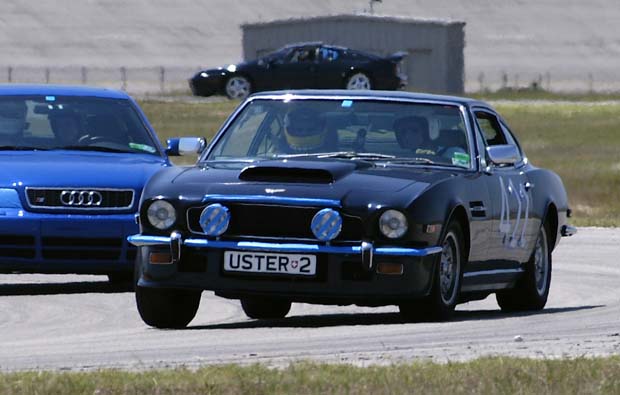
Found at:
[238, 87]
[440, 304]
[164, 308]
[532, 290]
[358, 81]
[167, 308]
[265, 308]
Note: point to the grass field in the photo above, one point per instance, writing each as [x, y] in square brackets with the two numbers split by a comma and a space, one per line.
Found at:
[581, 142]
[482, 376]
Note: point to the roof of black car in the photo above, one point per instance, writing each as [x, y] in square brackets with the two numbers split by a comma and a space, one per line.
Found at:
[373, 93]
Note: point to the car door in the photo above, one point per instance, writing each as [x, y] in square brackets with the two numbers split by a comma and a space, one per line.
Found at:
[510, 240]
[330, 68]
[296, 71]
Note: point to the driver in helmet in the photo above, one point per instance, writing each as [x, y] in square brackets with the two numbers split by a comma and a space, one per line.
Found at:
[12, 121]
[304, 131]
[66, 128]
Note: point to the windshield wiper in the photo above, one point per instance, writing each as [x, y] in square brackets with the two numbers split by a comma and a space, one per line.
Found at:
[341, 155]
[423, 161]
[93, 148]
[21, 148]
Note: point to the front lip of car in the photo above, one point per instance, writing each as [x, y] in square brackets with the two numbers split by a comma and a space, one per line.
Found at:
[175, 241]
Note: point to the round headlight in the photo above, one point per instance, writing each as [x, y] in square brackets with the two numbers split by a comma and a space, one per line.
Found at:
[161, 214]
[393, 224]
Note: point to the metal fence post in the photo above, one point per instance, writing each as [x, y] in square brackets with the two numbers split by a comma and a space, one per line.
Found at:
[162, 79]
[123, 78]
[47, 75]
[10, 74]
[84, 75]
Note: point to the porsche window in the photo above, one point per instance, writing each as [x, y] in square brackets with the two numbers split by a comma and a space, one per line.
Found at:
[85, 123]
[394, 132]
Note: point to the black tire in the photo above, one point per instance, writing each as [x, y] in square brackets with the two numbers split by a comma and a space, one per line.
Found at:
[165, 308]
[237, 87]
[265, 308]
[532, 290]
[440, 304]
[358, 80]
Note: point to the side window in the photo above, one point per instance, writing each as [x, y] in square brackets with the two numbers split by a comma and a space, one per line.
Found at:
[491, 128]
[495, 131]
[303, 55]
[328, 54]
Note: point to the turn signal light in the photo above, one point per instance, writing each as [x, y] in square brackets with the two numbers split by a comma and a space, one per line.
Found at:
[160, 258]
[390, 268]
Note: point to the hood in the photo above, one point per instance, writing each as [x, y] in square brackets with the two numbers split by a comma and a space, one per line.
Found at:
[77, 169]
[353, 183]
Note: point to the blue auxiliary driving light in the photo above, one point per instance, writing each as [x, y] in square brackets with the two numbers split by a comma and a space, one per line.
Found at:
[326, 224]
[214, 219]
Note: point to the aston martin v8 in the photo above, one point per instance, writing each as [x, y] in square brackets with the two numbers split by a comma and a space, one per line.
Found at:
[302, 66]
[340, 197]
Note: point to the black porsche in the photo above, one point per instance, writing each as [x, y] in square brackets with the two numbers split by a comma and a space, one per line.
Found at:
[302, 66]
[341, 197]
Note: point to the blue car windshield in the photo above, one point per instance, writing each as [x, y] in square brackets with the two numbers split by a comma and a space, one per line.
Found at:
[73, 123]
[390, 131]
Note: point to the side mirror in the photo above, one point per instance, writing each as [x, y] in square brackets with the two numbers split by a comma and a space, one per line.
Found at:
[186, 146]
[503, 154]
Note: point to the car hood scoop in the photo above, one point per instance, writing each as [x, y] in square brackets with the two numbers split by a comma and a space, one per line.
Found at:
[313, 172]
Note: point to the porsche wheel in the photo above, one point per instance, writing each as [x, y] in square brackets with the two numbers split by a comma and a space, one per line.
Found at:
[238, 87]
[358, 81]
[440, 304]
[265, 308]
[532, 290]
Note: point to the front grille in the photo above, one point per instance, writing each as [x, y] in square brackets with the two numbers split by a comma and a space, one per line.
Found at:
[268, 221]
[100, 199]
[81, 248]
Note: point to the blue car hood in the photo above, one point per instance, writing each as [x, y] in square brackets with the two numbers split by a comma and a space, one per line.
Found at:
[77, 169]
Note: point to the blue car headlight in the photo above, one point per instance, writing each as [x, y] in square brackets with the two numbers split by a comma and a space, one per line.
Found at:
[9, 198]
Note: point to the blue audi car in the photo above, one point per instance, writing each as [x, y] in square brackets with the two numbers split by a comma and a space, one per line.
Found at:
[73, 162]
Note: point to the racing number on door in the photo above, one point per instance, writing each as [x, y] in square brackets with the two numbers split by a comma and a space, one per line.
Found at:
[514, 232]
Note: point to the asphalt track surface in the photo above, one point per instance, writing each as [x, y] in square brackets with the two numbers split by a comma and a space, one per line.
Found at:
[83, 323]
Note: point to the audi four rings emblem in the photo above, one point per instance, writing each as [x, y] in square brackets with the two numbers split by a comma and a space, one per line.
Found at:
[81, 198]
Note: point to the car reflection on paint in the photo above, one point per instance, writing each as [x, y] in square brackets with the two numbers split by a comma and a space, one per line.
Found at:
[339, 197]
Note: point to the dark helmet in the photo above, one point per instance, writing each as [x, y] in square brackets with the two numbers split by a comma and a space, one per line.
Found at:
[304, 129]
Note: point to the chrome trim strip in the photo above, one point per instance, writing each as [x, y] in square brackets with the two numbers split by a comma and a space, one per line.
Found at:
[262, 199]
[492, 272]
[98, 208]
[140, 240]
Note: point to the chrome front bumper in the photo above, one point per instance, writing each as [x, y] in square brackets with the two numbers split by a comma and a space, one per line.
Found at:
[366, 250]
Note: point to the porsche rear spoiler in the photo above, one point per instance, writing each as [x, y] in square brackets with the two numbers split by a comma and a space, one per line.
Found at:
[397, 56]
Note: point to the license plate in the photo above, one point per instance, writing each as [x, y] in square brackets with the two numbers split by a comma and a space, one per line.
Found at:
[265, 262]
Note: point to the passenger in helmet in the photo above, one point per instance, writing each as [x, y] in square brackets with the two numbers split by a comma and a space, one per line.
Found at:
[412, 133]
[304, 131]
[12, 121]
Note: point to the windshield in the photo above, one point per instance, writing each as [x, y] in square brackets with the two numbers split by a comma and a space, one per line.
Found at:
[74, 123]
[395, 132]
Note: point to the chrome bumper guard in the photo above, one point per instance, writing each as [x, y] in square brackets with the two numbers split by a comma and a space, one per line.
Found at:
[366, 250]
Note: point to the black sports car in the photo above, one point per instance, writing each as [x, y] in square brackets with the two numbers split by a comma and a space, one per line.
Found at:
[302, 66]
[340, 197]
